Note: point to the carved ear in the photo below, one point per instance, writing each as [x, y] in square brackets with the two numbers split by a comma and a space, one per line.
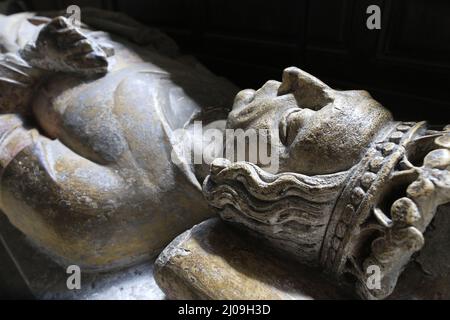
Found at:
[309, 91]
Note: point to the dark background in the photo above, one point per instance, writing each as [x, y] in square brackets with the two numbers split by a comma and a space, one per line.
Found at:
[405, 65]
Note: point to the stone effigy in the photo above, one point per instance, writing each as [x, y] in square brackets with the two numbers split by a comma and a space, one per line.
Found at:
[86, 135]
[355, 190]
[93, 170]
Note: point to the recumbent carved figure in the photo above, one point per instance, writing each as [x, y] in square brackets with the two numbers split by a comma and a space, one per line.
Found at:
[87, 170]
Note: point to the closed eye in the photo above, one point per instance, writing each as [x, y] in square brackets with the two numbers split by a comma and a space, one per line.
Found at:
[285, 130]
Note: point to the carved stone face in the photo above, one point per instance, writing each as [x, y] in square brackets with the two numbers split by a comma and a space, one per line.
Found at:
[315, 208]
[320, 130]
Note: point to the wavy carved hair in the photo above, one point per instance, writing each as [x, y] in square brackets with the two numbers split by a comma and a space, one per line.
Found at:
[291, 210]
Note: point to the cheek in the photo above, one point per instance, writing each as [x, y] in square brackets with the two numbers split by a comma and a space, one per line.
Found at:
[323, 149]
[296, 122]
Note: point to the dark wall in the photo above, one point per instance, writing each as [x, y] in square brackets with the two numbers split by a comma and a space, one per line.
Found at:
[405, 65]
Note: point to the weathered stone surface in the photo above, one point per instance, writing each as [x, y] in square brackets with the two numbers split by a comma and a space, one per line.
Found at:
[427, 276]
[216, 261]
[89, 169]
[355, 190]
[94, 169]
[46, 280]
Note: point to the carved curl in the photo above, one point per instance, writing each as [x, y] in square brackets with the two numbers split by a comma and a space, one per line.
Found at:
[342, 219]
[289, 209]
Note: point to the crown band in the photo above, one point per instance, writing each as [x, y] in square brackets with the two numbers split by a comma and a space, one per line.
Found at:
[359, 196]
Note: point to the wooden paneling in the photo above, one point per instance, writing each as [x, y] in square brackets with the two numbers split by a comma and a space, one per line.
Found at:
[253, 18]
[320, 35]
[164, 13]
[420, 31]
